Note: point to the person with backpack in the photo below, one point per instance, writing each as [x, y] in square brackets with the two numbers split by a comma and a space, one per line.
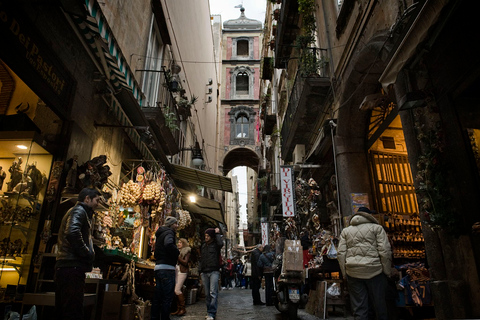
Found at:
[265, 261]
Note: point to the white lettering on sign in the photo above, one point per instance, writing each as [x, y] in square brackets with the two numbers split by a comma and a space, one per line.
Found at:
[288, 202]
[264, 233]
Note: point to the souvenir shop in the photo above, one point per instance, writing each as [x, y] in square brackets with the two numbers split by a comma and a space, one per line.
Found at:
[47, 156]
[317, 225]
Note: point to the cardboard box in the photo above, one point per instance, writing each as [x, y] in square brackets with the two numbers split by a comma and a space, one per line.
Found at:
[111, 305]
[292, 257]
[292, 243]
[145, 311]
[128, 312]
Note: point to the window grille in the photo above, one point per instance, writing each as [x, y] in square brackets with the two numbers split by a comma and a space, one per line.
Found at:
[392, 182]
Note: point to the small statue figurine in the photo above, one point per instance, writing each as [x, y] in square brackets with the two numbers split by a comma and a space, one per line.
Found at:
[25, 248]
[15, 174]
[3, 175]
[71, 176]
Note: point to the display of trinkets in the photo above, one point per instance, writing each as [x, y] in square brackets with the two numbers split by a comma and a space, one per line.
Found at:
[184, 219]
[13, 249]
[406, 233]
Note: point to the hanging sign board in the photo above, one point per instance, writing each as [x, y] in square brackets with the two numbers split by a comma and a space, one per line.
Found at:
[288, 191]
[264, 233]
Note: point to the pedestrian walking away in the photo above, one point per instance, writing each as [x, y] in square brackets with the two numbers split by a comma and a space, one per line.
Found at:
[181, 275]
[166, 256]
[365, 259]
[209, 269]
[75, 256]
[256, 279]
[265, 262]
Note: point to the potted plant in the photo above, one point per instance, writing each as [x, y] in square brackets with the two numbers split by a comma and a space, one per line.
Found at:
[272, 44]
[184, 105]
[274, 29]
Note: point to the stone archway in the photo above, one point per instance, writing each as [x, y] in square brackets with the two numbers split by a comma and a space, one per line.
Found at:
[361, 80]
[240, 157]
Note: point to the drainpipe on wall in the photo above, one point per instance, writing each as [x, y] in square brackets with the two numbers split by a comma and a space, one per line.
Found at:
[333, 125]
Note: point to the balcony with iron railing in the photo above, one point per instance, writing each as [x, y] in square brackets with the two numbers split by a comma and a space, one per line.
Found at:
[307, 100]
[288, 28]
[165, 117]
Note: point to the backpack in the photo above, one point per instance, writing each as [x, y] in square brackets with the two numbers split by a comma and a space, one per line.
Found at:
[260, 262]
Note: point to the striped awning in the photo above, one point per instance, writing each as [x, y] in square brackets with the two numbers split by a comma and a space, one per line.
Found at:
[100, 38]
[202, 178]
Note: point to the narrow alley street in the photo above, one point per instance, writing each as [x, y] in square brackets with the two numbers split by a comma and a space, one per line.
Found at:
[236, 304]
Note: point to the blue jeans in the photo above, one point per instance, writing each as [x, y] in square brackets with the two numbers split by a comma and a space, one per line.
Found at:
[210, 281]
[164, 293]
[361, 290]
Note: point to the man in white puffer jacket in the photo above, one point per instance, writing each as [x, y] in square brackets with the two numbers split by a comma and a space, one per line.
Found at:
[365, 259]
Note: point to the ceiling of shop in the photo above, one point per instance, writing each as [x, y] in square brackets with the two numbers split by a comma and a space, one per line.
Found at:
[9, 149]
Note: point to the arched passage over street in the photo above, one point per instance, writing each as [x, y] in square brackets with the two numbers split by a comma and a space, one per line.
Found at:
[240, 157]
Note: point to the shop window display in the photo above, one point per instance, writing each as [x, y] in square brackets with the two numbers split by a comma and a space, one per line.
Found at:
[24, 167]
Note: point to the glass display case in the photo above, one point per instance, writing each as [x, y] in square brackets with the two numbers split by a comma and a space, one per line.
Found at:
[24, 169]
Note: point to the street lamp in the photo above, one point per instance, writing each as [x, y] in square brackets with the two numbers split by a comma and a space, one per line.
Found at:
[197, 158]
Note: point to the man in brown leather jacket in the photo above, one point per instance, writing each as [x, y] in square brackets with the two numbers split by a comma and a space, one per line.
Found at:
[75, 255]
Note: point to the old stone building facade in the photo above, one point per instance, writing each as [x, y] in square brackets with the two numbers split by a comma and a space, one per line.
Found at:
[364, 103]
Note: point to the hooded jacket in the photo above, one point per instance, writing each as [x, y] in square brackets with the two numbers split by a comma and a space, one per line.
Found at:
[75, 245]
[364, 250]
[166, 251]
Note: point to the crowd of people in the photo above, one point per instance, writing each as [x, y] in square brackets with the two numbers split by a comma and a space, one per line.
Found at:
[364, 255]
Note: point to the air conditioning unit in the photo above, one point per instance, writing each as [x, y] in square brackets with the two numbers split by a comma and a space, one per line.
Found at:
[298, 153]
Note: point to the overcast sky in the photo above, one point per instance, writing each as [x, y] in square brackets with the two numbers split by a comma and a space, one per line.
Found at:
[254, 9]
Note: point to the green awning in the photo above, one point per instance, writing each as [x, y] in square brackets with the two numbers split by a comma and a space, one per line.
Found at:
[209, 208]
[202, 178]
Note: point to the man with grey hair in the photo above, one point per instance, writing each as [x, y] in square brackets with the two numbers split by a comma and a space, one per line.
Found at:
[256, 280]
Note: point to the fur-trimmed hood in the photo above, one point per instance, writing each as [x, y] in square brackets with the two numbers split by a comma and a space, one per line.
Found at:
[362, 217]
[184, 251]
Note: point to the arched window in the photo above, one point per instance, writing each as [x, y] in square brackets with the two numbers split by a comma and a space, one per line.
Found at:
[242, 48]
[242, 83]
[241, 126]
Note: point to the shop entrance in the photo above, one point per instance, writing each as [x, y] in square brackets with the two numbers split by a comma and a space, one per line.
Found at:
[395, 201]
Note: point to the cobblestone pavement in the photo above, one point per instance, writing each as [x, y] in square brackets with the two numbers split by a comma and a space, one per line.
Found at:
[236, 304]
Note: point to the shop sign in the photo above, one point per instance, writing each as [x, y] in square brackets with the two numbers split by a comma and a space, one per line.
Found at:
[288, 192]
[264, 233]
[31, 58]
[358, 200]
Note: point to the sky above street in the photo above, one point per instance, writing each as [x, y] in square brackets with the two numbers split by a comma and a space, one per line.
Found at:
[254, 9]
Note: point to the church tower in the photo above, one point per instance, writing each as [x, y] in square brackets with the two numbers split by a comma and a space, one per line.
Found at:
[240, 79]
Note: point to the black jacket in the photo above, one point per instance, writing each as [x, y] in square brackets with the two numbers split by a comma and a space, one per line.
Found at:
[166, 251]
[75, 246]
[210, 255]
[256, 271]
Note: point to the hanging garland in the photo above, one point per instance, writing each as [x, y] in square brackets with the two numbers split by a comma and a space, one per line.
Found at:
[433, 195]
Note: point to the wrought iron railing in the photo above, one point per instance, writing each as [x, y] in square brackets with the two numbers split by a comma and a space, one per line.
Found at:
[313, 64]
